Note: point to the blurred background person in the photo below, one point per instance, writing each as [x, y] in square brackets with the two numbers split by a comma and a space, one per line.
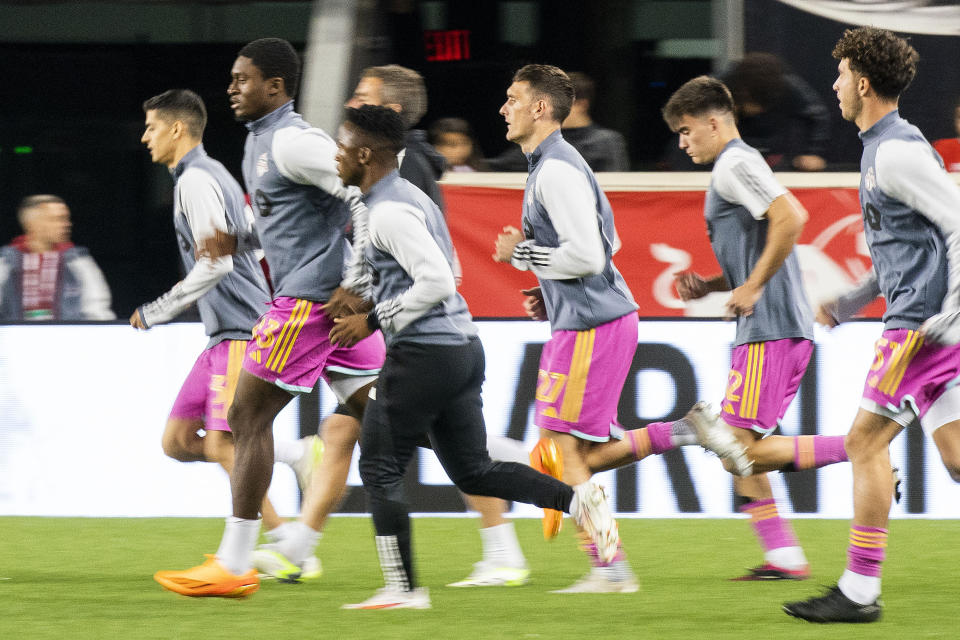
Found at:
[949, 148]
[778, 113]
[44, 276]
[404, 91]
[455, 140]
[603, 149]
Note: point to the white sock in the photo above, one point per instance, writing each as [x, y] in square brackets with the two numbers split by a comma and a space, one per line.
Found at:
[299, 541]
[288, 451]
[501, 547]
[278, 533]
[786, 558]
[236, 547]
[859, 588]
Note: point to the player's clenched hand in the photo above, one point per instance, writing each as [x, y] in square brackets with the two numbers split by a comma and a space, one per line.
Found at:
[349, 330]
[218, 245]
[505, 244]
[136, 321]
[825, 316]
[690, 285]
[344, 302]
[533, 303]
[742, 299]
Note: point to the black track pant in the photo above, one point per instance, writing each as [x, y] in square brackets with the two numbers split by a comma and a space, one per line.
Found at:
[435, 390]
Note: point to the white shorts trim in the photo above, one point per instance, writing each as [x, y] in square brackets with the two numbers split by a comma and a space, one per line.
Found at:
[944, 410]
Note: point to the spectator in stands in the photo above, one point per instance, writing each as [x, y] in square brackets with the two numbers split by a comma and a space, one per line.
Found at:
[779, 114]
[455, 140]
[43, 276]
[603, 149]
[949, 148]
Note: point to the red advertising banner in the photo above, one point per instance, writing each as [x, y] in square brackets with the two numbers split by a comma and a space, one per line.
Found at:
[662, 232]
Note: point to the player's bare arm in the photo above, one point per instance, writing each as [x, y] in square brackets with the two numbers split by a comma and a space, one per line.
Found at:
[786, 218]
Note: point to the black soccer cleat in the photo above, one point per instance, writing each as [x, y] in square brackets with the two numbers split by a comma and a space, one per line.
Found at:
[833, 606]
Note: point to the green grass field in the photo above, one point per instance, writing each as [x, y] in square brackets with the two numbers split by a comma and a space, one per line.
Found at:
[69, 578]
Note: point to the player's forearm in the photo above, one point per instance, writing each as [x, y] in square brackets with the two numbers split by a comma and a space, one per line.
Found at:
[203, 277]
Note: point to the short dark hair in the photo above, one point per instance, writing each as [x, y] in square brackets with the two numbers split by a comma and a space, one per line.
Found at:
[32, 202]
[584, 88]
[276, 58]
[696, 98]
[549, 82]
[884, 58]
[180, 104]
[382, 124]
[401, 86]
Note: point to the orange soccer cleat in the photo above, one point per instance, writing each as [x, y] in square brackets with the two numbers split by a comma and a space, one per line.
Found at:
[210, 579]
[546, 458]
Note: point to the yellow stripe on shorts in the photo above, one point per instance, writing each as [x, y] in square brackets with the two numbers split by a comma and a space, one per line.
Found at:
[899, 360]
[296, 332]
[751, 390]
[577, 381]
[285, 333]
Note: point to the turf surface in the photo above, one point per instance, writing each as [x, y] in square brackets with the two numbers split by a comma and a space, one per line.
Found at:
[69, 578]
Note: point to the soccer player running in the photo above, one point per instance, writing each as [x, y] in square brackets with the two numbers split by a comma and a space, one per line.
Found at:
[230, 291]
[753, 223]
[911, 212]
[434, 366]
[300, 210]
[567, 242]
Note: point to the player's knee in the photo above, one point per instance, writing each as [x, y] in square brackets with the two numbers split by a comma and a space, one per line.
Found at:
[247, 419]
[174, 447]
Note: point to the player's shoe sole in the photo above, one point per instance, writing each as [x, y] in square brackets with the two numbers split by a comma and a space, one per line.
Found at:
[486, 576]
[771, 572]
[592, 583]
[210, 579]
[547, 458]
[391, 599]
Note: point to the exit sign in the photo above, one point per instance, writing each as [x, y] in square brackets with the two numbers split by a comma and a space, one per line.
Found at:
[447, 45]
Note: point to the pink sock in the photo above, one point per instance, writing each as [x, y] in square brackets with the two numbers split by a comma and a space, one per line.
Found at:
[659, 433]
[773, 531]
[813, 452]
[867, 550]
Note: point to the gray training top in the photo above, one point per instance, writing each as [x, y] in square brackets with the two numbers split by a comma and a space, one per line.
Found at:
[742, 188]
[570, 240]
[231, 291]
[299, 203]
[411, 256]
[911, 218]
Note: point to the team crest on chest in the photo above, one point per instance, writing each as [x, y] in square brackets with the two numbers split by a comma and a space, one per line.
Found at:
[262, 165]
[870, 180]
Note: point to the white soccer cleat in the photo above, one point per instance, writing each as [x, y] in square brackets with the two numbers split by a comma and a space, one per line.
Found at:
[486, 575]
[597, 582]
[595, 518]
[307, 464]
[387, 598]
[310, 569]
[714, 435]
